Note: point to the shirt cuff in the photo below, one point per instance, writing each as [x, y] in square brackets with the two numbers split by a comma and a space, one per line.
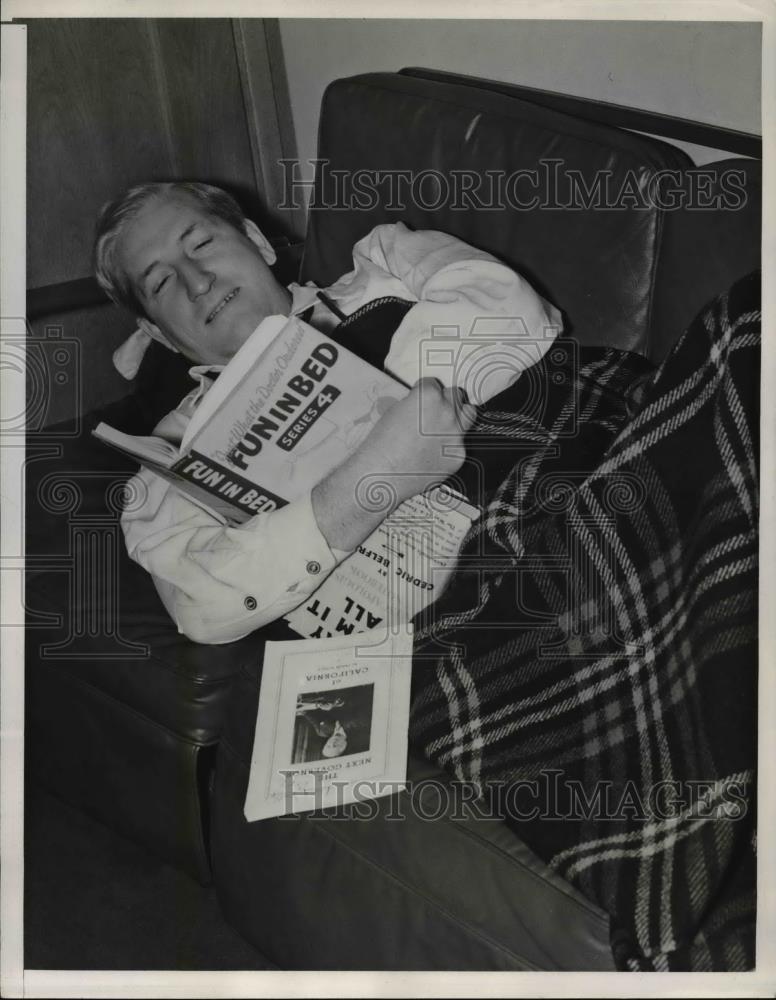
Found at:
[295, 556]
[306, 553]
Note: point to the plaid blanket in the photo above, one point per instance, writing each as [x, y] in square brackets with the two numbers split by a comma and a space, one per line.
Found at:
[593, 668]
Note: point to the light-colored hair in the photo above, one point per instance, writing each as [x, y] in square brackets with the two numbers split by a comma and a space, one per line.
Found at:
[117, 214]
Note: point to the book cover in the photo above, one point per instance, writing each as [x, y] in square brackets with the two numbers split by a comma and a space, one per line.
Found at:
[288, 408]
[274, 425]
[331, 724]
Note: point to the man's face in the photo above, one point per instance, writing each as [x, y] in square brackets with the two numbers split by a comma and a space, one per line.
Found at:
[337, 743]
[204, 284]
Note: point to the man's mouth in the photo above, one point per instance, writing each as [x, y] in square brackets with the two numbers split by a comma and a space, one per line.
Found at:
[227, 298]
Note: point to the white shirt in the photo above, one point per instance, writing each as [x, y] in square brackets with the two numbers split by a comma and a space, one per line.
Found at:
[220, 583]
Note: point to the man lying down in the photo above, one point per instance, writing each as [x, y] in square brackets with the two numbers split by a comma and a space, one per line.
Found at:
[593, 659]
[197, 273]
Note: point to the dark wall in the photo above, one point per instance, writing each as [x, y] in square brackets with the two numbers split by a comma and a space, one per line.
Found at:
[111, 103]
[116, 102]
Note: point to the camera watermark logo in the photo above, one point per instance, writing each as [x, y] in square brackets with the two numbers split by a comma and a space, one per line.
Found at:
[491, 357]
[39, 374]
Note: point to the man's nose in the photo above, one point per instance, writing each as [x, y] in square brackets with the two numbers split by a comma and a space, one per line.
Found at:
[196, 279]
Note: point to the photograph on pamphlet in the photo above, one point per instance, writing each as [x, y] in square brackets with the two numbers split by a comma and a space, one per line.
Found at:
[327, 726]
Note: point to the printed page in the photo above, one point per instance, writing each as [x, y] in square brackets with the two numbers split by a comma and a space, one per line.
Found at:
[234, 377]
[332, 723]
[397, 571]
[148, 450]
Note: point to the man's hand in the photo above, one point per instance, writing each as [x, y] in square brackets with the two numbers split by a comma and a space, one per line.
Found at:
[422, 433]
[417, 443]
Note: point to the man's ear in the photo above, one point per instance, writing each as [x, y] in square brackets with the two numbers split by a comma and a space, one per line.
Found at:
[152, 330]
[255, 235]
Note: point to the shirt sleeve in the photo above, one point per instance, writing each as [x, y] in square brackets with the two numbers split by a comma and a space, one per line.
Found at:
[476, 324]
[221, 583]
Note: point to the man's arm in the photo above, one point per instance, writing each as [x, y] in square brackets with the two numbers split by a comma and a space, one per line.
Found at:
[220, 583]
[459, 291]
[417, 443]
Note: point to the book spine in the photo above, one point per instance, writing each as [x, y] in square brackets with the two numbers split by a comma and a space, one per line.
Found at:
[227, 485]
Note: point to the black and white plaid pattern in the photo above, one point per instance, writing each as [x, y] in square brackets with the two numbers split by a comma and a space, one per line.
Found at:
[600, 637]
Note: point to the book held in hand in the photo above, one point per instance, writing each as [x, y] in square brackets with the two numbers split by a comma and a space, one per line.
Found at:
[332, 722]
[289, 407]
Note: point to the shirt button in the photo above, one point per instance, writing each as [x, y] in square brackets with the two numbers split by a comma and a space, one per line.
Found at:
[313, 568]
[250, 603]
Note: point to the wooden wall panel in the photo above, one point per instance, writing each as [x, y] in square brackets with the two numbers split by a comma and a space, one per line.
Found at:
[111, 103]
[207, 112]
[94, 126]
[268, 113]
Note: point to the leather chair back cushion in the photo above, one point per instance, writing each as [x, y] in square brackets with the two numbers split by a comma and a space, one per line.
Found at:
[704, 252]
[597, 266]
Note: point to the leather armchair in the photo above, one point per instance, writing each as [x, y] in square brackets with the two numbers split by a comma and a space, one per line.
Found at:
[319, 891]
[126, 718]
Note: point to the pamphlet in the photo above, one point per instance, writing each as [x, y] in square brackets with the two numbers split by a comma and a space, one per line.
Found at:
[332, 722]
